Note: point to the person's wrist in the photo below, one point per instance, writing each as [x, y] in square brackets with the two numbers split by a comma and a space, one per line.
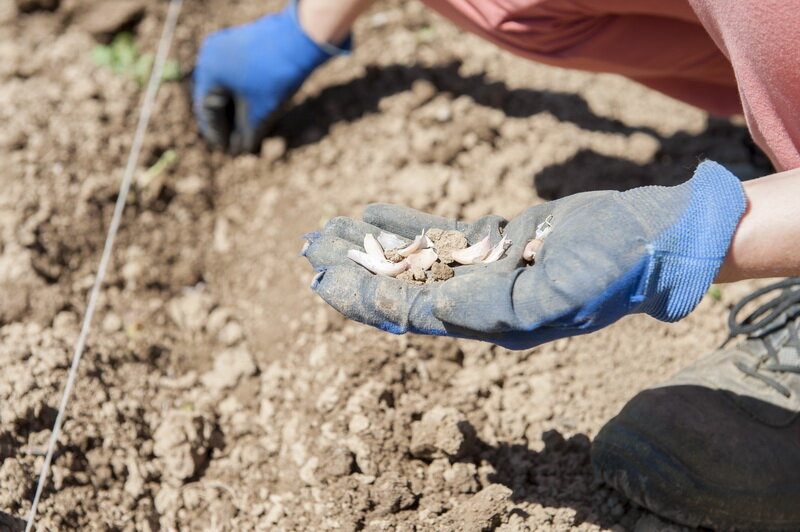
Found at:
[735, 266]
[316, 23]
[764, 244]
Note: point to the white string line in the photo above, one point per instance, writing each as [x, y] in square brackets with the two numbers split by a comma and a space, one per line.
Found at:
[130, 168]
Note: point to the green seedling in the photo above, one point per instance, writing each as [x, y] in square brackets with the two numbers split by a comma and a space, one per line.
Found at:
[166, 160]
[123, 58]
[715, 292]
[426, 34]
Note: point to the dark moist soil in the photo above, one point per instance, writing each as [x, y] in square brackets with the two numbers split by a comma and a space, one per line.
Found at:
[217, 392]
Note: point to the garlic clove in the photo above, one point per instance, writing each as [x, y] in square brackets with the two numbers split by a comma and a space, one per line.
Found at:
[531, 248]
[475, 253]
[373, 247]
[544, 228]
[390, 240]
[497, 252]
[423, 259]
[378, 266]
[418, 243]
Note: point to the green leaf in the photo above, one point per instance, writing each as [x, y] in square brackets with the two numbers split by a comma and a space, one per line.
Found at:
[124, 43]
[426, 34]
[125, 53]
[102, 55]
[141, 70]
[172, 71]
[123, 58]
[715, 292]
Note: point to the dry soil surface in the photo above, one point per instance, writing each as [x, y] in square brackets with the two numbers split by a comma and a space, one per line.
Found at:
[217, 392]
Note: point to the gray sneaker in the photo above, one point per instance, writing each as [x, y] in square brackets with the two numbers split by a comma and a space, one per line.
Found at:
[718, 445]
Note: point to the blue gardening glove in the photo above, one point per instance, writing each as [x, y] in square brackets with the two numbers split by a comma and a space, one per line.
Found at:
[244, 74]
[652, 250]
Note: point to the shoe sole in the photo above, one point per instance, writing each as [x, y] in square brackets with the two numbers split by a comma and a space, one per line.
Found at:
[651, 478]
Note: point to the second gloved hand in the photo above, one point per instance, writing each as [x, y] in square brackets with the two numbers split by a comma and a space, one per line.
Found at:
[244, 74]
[652, 250]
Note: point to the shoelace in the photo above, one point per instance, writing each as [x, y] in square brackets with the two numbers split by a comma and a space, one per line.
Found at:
[762, 323]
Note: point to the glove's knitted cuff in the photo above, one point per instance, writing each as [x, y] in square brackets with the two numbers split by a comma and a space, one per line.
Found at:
[328, 49]
[686, 257]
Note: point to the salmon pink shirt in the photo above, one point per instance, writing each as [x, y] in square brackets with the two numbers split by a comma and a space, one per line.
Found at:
[725, 56]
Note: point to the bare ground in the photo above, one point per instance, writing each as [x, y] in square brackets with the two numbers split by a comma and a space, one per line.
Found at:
[217, 392]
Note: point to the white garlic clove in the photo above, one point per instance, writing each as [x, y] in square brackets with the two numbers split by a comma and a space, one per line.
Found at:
[475, 253]
[380, 267]
[531, 248]
[544, 228]
[423, 259]
[390, 240]
[497, 251]
[373, 247]
[418, 243]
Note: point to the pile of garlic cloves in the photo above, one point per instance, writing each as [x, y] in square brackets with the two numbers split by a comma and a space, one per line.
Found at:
[432, 255]
[427, 258]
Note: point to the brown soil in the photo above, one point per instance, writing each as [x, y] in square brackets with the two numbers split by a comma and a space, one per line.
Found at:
[446, 242]
[217, 391]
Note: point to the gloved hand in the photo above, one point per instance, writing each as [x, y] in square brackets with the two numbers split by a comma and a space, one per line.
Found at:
[244, 74]
[652, 250]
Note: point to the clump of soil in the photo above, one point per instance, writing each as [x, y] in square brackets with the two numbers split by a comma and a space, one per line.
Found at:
[414, 276]
[446, 242]
[441, 271]
[442, 432]
[393, 256]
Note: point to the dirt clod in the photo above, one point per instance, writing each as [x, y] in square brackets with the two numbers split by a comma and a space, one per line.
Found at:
[182, 442]
[441, 272]
[230, 366]
[446, 242]
[393, 493]
[442, 431]
[338, 462]
[393, 255]
[481, 512]
[413, 276]
[105, 19]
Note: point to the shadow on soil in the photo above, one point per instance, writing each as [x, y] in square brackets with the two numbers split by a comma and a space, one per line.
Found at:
[678, 154]
[11, 523]
[558, 476]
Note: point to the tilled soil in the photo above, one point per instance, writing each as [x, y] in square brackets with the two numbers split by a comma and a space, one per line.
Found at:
[217, 392]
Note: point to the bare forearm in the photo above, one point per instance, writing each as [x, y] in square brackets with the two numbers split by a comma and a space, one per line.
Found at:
[328, 21]
[767, 240]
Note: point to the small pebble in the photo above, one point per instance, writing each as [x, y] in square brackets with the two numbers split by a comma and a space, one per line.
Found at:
[112, 323]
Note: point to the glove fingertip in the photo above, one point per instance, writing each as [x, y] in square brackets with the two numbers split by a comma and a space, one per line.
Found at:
[315, 282]
[304, 250]
[313, 235]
